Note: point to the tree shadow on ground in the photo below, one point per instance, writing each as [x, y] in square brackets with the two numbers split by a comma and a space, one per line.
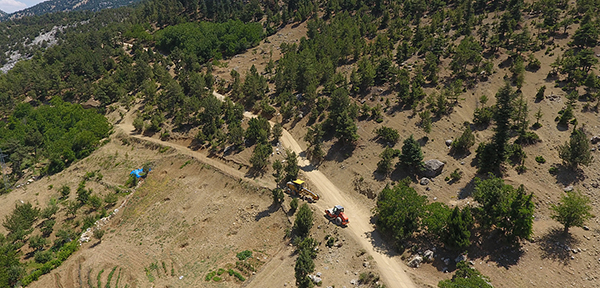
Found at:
[556, 245]
[459, 155]
[494, 246]
[380, 242]
[467, 190]
[255, 172]
[340, 152]
[267, 212]
[400, 173]
[567, 176]
[561, 128]
[378, 176]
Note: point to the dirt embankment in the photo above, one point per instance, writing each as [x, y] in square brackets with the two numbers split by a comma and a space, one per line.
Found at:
[391, 269]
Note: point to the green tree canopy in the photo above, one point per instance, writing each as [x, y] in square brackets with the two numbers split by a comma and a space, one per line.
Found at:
[466, 277]
[504, 208]
[304, 221]
[20, 222]
[457, 232]
[573, 210]
[399, 210]
[576, 151]
[412, 156]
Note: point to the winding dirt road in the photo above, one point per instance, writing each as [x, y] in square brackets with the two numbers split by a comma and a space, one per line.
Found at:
[391, 269]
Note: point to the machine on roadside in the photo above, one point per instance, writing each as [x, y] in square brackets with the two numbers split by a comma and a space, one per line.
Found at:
[297, 188]
[336, 214]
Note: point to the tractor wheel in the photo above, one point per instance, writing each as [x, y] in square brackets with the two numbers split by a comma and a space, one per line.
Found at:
[338, 221]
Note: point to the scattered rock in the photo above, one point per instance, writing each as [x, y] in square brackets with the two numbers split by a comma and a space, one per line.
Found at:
[449, 142]
[428, 255]
[353, 281]
[318, 274]
[595, 139]
[424, 181]
[445, 270]
[446, 261]
[586, 228]
[415, 262]
[569, 188]
[460, 258]
[365, 264]
[315, 279]
[433, 167]
[574, 251]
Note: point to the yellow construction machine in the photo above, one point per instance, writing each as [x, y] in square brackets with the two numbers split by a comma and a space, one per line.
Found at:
[296, 188]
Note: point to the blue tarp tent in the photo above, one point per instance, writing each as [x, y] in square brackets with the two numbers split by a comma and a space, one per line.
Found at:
[139, 172]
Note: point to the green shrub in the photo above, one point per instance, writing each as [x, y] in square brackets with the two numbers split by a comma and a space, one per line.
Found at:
[464, 142]
[210, 275]
[388, 134]
[483, 116]
[527, 138]
[456, 175]
[65, 191]
[540, 159]
[244, 255]
[43, 256]
[553, 170]
[132, 181]
[293, 205]
[220, 271]
[236, 274]
[88, 221]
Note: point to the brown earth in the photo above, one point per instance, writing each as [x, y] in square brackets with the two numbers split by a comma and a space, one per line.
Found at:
[194, 229]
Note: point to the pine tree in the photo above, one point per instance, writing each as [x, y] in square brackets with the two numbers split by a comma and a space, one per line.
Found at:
[504, 110]
[521, 216]
[412, 156]
[491, 156]
[576, 151]
[304, 266]
[574, 209]
[291, 165]
[464, 142]
[304, 221]
[457, 233]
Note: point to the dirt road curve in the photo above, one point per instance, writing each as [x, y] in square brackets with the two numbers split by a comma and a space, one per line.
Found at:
[391, 269]
[392, 272]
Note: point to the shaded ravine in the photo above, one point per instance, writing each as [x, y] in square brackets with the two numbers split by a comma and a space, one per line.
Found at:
[391, 270]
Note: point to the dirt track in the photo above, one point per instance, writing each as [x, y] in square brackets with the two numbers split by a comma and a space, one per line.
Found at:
[391, 269]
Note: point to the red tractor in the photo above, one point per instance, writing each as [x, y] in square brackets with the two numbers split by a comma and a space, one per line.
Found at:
[336, 214]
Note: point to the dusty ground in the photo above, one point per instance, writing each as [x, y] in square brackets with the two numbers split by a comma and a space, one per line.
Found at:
[545, 260]
[140, 236]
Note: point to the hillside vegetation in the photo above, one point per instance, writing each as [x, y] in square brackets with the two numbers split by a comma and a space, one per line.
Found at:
[400, 68]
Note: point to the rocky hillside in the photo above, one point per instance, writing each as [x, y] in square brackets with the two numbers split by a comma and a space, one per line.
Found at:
[53, 6]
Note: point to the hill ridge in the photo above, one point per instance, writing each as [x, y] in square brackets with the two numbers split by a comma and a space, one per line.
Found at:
[53, 6]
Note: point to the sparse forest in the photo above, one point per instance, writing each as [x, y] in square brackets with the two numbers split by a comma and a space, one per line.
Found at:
[425, 58]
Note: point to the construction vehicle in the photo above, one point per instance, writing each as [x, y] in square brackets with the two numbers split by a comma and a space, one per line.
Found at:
[296, 188]
[336, 214]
